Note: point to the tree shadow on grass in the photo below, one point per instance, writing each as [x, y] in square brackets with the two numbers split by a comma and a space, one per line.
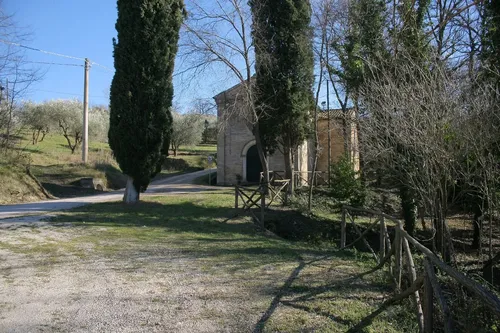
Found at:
[195, 227]
[183, 216]
[310, 299]
[28, 149]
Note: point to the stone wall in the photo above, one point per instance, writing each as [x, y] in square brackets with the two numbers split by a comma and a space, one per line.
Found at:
[336, 139]
[235, 138]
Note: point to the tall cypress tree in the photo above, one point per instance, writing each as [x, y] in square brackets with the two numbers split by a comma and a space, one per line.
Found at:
[142, 90]
[490, 53]
[284, 73]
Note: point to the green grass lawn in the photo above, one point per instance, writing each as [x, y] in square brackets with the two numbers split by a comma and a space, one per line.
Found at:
[59, 170]
[54, 150]
[283, 286]
[193, 158]
[201, 149]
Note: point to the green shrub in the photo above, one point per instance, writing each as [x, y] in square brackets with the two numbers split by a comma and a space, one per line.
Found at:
[345, 185]
[179, 164]
[175, 164]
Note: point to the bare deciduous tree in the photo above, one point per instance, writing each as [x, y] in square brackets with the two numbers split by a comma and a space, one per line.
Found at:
[205, 107]
[16, 73]
[423, 130]
[218, 34]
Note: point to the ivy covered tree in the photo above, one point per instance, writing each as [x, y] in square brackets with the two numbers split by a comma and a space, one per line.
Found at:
[284, 74]
[363, 45]
[142, 90]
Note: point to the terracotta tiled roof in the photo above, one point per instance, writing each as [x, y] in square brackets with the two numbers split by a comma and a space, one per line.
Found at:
[334, 113]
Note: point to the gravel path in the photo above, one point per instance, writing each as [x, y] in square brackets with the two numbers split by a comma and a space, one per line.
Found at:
[53, 279]
[167, 292]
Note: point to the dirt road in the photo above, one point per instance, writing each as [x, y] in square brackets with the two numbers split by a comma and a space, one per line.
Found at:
[36, 211]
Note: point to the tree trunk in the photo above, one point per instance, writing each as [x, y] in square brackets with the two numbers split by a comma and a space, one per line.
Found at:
[262, 154]
[175, 151]
[68, 139]
[477, 223]
[131, 195]
[72, 147]
[408, 207]
[289, 169]
[421, 214]
[443, 237]
[315, 160]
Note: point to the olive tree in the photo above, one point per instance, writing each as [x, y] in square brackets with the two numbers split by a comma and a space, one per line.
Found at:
[187, 130]
[37, 119]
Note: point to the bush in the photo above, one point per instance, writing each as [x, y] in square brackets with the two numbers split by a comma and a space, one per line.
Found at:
[179, 164]
[345, 185]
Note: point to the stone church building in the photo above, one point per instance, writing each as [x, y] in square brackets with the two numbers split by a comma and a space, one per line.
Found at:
[237, 157]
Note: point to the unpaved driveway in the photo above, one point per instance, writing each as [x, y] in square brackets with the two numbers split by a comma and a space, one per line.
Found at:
[36, 211]
[147, 289]
[175, 264]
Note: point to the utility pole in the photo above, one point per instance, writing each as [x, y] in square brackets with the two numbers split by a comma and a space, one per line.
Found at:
[85, 139]
[329, 129]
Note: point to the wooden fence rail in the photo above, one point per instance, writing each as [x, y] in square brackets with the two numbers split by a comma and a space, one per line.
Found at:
[299, 177]
[399, 251]
[260, 197]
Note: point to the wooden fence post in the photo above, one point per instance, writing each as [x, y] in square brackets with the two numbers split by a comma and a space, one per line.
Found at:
[343, 229]
[382, 238]
[436, 289]
[398, 257]
[413, 276]
[236, 195]
[428, 304]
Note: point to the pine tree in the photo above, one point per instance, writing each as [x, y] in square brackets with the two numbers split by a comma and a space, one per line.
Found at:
[142, 90]
[490, 53]
[284, 73]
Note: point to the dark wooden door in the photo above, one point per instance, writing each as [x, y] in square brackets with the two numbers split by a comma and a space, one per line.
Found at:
[254, 167]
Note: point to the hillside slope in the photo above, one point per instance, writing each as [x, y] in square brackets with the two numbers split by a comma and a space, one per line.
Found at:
[59, 171]
[17, 186]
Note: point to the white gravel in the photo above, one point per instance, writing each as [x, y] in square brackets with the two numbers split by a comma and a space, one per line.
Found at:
[139, 292]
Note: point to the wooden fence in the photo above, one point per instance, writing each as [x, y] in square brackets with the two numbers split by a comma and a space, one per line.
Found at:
[397, 252]
[260, 197]
[300, 178]
[304, 178]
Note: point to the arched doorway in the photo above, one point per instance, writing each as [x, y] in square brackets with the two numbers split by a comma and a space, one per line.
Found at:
[253, 167]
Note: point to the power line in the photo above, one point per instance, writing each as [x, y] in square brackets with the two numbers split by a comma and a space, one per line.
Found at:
[106, 68]
[66, 93]
[40, 50]
[52, 63]
[58, 92]
[88, 63]
[53, 53]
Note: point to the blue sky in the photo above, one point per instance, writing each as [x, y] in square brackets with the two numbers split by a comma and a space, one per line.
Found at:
[85, 29]
[77, 28]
